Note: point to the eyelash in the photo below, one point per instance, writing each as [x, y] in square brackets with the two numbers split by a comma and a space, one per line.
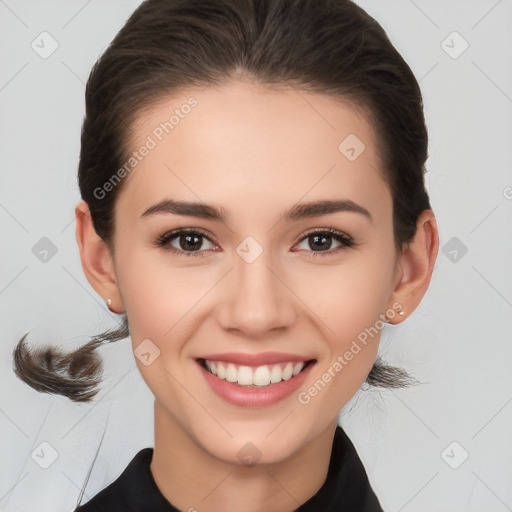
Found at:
[163, 241]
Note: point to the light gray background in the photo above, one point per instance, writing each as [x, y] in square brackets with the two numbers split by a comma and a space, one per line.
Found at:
[458, 342]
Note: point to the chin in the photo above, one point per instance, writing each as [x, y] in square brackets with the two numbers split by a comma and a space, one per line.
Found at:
[245, 449]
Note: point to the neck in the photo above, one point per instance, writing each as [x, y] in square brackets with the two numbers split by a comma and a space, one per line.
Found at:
[192, 479]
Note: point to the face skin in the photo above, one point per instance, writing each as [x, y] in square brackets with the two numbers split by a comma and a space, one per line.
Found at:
[254, 153]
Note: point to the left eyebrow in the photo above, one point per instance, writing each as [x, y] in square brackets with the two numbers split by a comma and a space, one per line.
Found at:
[296, 212]
[317, 208]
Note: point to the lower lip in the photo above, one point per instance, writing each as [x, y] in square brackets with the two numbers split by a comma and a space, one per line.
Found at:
[263, 396]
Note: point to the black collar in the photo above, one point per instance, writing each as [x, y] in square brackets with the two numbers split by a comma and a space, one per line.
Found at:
[346, 487]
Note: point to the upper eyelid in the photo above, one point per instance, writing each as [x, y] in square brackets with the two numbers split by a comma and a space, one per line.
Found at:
[178, 231]
[330, 231]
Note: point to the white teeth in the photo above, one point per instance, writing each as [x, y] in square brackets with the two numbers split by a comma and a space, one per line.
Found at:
[244, 376]
[297, 368]
[260, 376]
[276, 374]
[231, 373]
[287, 372]
[221, 371]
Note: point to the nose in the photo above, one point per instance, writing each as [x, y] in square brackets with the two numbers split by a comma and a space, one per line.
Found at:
[256, 299]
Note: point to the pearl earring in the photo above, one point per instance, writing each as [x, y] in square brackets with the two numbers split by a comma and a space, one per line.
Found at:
[400, 313]
[109, 302]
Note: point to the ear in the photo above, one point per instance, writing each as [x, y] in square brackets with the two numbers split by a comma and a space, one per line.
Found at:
[416, 264]
[97, 261]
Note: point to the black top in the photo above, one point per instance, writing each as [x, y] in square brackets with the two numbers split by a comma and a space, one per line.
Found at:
[346, 487]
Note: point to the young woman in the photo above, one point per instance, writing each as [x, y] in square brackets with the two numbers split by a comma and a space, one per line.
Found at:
[253, 203]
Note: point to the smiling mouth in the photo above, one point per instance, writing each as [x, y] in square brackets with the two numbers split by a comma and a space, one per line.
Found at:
[255, 376]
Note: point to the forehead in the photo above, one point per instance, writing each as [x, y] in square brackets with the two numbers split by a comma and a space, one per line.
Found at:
[248, 145]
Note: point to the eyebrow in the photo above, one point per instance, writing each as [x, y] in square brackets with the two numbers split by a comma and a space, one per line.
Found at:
[296, 212]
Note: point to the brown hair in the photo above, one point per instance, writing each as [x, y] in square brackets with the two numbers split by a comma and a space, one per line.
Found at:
[331, 47]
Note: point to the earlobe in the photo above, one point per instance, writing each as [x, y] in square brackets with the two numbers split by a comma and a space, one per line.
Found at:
[97, 262]
[417, 264]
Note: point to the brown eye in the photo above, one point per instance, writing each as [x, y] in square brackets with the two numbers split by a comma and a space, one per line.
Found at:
[185, 242]
[190, 242]
[320, 242]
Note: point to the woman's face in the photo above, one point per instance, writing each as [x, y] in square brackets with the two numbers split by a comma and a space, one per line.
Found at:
[266, 279]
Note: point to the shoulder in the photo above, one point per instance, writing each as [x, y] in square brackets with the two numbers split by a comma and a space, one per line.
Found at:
[352, 480]
[347, 486]
[122, 494]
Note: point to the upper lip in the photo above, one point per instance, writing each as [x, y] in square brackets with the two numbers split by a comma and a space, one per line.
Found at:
[261, 359]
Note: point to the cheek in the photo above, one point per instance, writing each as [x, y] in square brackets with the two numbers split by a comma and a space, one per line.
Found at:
[163, 301]
[158, 300]
[350, 347]
[351, 296]
[349, 301]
